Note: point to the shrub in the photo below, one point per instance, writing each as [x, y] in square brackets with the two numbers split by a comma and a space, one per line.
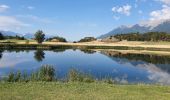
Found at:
[88, 39]
[76, 76]
[18, 76]
[57, 39]
[46, 73]
[11, 77]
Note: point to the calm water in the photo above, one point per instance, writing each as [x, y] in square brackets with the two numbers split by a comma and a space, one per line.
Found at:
[131, 68]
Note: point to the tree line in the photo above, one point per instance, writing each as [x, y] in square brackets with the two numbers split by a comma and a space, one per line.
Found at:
[39, 36]
[2, 37]
[149, 36]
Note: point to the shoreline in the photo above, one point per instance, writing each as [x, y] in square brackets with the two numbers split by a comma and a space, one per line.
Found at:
[149, 46]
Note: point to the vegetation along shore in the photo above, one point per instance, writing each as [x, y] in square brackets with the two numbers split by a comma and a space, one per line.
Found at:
[43, 83]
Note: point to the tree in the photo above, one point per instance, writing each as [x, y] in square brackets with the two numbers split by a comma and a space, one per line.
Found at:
[88, 39]
[39, 36]
[57, 38]
[1, 36]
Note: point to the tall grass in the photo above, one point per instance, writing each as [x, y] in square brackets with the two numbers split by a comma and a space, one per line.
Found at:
[47, 73]
[75, 75]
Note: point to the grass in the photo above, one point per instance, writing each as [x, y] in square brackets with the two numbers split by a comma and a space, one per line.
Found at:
[157, 43]
[81, 91]
[128, 45]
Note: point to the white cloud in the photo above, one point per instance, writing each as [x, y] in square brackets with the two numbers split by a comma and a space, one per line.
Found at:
[31, 7]
[158, 16]
[122, 10]
[156, 74]
[8, 22]
[3, 8]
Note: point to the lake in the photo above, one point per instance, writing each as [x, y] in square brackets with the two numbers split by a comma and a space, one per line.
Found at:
[124, 68]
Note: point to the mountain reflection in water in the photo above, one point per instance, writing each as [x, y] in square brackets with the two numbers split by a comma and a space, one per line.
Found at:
[158, 66]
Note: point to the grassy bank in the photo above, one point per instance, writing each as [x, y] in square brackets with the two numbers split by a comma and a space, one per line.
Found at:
[81, 91]
[122, 45]
[77, 46]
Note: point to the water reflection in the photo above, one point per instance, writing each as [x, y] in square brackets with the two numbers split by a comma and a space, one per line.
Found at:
[88, 51]
[1, 53]
[150, 58]
[124, 68]
[39, 55]
[157, 66]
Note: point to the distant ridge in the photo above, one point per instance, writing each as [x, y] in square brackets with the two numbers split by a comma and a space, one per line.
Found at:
[162, 27]
[25, 35]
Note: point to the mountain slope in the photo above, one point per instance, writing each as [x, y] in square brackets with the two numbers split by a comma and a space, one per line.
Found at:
[162, 27]
[9, 33]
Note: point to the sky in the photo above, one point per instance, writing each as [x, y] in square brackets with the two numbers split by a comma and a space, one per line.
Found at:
[75, 19]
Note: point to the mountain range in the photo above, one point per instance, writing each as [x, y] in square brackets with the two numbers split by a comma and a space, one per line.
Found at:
[162, 27]
[25, 35]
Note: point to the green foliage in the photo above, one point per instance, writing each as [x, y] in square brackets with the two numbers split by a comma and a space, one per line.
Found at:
[109, 81]
[46, 73]
[76, 76]
[82, 91]
[39, 36]
[87, 39]
[34, 76]
[18, 76]
[59, 39]
[150, 36]
[11, 77]
[14, 77]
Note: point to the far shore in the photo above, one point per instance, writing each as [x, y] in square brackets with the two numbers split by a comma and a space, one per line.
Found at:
[123, 45]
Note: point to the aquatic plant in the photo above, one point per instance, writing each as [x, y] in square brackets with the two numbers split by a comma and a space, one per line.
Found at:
[11, 77]
[46, 73]
[77, 76]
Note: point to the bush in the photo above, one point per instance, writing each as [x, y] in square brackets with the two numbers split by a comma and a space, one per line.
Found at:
[76, 76]
[57, 39]
[46, 73]
[18, 76]
[11, 77]
[88, 39]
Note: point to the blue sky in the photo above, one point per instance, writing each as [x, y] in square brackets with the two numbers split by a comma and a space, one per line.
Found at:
[75, 19]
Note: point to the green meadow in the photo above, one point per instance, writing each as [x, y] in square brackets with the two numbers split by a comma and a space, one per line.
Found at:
[81, 91]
